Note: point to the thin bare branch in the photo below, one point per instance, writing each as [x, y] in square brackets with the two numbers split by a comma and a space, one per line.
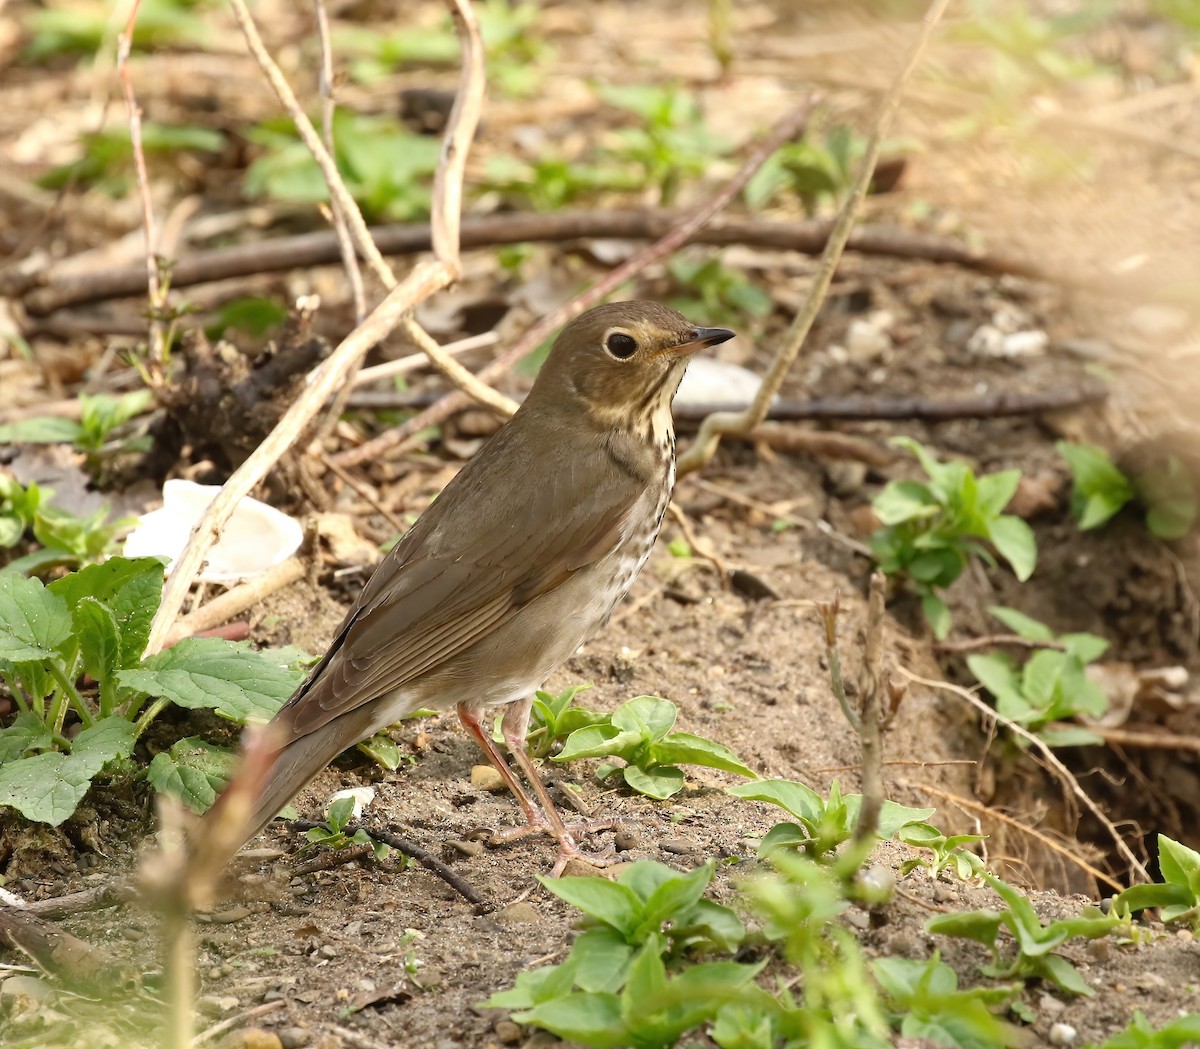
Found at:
[707, 440]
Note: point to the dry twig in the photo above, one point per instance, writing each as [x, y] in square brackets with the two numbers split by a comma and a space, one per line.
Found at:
[705, 445]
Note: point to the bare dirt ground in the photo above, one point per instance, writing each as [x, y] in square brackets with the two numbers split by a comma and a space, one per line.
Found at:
[1099, 193]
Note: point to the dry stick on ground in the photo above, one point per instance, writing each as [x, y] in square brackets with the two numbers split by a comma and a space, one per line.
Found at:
[1136, 867]
[43, 292]
[156, 290]
[783, 132]
[425, 278]
[78, 964]
[1032, 832]
[705, 444]
[973, 644]
[236, 600]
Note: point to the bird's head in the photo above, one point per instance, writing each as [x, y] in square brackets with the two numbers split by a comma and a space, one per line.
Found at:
[623, 360]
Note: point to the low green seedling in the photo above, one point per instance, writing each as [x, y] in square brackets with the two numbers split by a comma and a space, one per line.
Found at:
[1035, 942]
[949, 852]
[718, 292]
[106, 160]
[1051, 686]
[931, 530]
[65, 538]
[83, 28]
[387, 168]
[96, 622]
[1139, 1034]
[639, 733]
[821, 825]
[1100, 490]
[1178, 895]
[625, 982]
[554, 718]
[552, 181]
[671, 146]
[332, 833]
[926, 1003]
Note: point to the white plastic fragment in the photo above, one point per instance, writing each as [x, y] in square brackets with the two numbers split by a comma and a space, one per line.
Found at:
[363, 796]
[1062, 1034]
[254, 540]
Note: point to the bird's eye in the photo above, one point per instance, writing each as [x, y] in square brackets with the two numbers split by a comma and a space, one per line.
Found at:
[621, 346]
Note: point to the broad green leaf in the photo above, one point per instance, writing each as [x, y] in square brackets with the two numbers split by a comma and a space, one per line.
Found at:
[937, 615]
[382, 750]
[1085, 647]
[1021, 624]
[1142, 897]
[1100, 488]
[673, 898]
[595, 741]
[892, 816]
[997, 673]
[1040, 677]
[1169, 496]
[230, 678]
[717, 925]
[995, 491]
[655, 781]
[786, 836]
[130, 587]
[1059, 738]
[648, 716]
[34, 622]
[601, 959]
[980, 925]
[41, 430]
[47, 788]
[592, 1019]
[938, 567]
[27, 732]
[939, 473]
[606, 901]
[1180, 866]
[1057, 969]
[646, 877]
[683, 748]
[99, 638]
[1015, 542]
[902, 501]
[194, 771]
[802, 802]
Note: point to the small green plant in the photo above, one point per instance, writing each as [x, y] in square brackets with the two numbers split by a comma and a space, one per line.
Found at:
[554, 718]
[932, 530]
[332, 834]
[551, 181]
[717, 292]
[821, 824]
[948, 851]
[625, 981]
[1178, 894]
[387, 168]
[1100, 490]
[672, 145]
[927, 1004]
[98, 432]
[106, 160]
[816, 170]
[1051, 686]
[83, 28]
[639, 733]
[96, 622]
[1035, 942]
[1140, 1035]
[65, 538]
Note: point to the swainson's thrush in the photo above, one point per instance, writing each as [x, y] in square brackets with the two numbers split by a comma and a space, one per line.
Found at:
[518, 562]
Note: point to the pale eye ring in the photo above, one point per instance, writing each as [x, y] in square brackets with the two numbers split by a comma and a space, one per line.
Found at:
[620, 345]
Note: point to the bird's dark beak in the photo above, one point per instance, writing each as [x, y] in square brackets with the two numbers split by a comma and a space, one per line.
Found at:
[701, 337]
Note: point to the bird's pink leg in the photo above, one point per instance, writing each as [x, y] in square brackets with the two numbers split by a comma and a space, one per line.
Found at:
[469, 716]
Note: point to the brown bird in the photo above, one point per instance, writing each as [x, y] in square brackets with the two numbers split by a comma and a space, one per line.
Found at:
[520, 560]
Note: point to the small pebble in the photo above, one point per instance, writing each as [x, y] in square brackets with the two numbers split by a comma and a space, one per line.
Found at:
[327, 950]
[677, 846]
[624, 840]
[484, 777]
[1062, 1034]
[1099, 950]
[466, 848]
[251, 1038]
[294, 1037]
[577, 868]
[520, 913]
[1050, 1007]
[26, 987]
[857, 919]
[507, 1032]
[214, 1005]
[228, 917]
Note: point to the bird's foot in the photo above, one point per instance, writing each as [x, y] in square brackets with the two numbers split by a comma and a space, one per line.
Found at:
[568, 846]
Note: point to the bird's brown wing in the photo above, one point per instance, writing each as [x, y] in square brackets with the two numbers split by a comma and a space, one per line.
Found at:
[474, 559]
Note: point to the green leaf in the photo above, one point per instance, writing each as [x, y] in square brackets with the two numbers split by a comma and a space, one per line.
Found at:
[610, 902]
[592, 1019]
[802, 802]
[1059, 738]
[937, 615]
[671, 899]
[600, 959]
[1021, 624]
[382, 750]
[997, 673]
[47, 788]
[595, 741]
[1058, 970]
[1040, 677]
[230, 678]
[902, 501]
[982, 926]
[1169, 495]
[655, 781]
[1015, 542]
[99, 638]
[27, 732]
[1087, 648]
[130, 587]
[649, 717]
[995, 491]
[34, 623]
[683, 748]
[42, 430]
[194, 771]
[1100, 489]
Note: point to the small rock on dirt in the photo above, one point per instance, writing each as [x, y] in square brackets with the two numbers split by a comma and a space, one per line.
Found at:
[1062, 1034]
[678, 846]
[294, 1037]
[251, 1038]
[576, 868]
[484, 777]
[520, 913]
[507, 1032]
[625, 839]
[467, 848]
